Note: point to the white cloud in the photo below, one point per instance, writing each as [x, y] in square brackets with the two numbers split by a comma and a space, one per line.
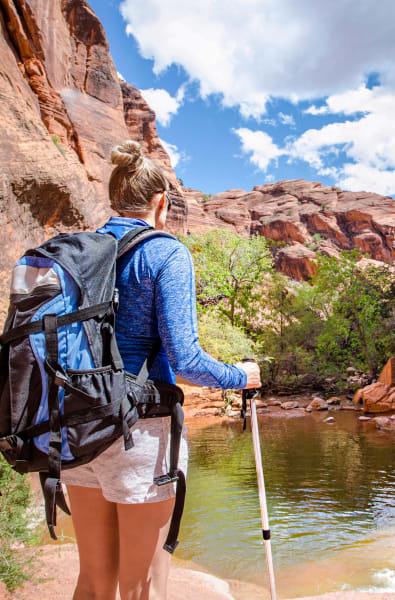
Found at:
[120, 76]
[176, 155]
[163, 104]
[286, 119]
[313, 110]
[368, 141]
[259, 145]
[250, 50]
[362, 149]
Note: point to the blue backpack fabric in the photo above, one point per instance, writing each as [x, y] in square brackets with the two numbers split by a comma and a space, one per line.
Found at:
[64, 393]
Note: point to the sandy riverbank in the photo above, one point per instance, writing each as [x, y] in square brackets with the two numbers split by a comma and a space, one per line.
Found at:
[58, 571]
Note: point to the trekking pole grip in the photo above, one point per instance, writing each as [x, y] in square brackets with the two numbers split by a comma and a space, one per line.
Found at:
[245, 395]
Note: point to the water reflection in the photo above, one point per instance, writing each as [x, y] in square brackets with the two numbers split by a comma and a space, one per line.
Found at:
[329, 489]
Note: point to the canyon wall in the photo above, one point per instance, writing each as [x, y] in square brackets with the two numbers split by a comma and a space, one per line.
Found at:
[63, 108]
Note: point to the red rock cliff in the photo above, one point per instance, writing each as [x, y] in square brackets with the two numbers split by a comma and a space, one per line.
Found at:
[306, 216]
[62, 110]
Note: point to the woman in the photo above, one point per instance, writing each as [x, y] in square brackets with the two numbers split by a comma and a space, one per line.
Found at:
[120, 517]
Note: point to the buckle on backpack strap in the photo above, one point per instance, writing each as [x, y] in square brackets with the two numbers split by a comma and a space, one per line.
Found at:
[60, 378]
[164, 479]
[8, 443]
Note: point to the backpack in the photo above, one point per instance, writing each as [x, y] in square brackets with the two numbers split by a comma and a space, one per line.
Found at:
[64, 393]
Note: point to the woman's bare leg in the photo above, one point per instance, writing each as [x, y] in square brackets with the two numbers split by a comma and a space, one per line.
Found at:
[143, 564]
[95, 523]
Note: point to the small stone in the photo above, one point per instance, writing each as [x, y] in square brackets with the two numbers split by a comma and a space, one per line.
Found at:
[233, 413]
[333, 400]
[348, 407]
[276, 403]
[308, 409]
[385, 424]
[362, 418]
[261, 404]
[289, 405]
[329, 420]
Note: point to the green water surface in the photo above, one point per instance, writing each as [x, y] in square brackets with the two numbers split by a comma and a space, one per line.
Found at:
[331, 501]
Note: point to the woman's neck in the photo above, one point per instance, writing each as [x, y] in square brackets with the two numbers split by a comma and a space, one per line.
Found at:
[148, 217]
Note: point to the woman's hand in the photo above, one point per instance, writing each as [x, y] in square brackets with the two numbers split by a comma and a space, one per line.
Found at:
[253, 374]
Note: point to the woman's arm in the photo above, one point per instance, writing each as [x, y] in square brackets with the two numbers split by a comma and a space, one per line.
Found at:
[175, 303]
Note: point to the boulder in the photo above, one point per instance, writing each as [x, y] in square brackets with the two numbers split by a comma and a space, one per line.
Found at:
[378, 397]
[290, 405]
[318, 404]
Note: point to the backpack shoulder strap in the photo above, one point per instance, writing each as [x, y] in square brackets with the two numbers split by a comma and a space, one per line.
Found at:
[126, 243]
[137, 235]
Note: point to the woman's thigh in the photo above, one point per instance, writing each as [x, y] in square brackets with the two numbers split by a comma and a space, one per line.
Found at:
[95, 523]
[144, 565]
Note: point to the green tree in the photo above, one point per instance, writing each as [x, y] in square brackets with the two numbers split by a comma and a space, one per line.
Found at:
[228, 268]
[356, 303]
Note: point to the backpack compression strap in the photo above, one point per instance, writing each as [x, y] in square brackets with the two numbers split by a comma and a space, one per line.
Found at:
[50, 481]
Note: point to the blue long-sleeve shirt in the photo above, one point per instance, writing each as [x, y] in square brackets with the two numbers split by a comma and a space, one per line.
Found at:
[156, 283]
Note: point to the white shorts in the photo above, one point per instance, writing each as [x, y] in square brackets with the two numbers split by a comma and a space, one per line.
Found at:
[126, 476]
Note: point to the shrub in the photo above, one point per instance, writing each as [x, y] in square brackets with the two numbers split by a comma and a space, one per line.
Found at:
[223, 340]
[16, 534]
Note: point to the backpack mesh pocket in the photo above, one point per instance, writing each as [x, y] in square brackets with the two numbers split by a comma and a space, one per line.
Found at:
[94, 401]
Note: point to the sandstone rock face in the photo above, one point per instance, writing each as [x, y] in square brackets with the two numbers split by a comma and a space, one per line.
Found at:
[62, 110]
[387, 375]
[306, 217]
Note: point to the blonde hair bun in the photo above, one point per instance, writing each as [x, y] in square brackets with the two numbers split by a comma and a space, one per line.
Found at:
[127, 154]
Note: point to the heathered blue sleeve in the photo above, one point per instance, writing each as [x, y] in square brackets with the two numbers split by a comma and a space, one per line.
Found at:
[175, 303]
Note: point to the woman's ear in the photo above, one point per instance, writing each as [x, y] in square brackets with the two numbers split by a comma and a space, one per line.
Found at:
[163, 201]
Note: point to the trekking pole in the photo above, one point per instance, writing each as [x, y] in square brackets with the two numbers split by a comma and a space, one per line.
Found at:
[251, 394]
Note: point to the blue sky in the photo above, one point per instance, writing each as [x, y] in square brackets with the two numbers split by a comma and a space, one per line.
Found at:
[253, 91]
